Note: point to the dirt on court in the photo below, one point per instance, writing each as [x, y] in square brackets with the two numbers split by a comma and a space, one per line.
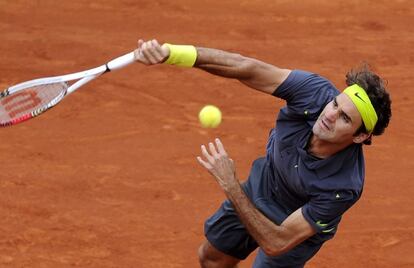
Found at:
[108, 178]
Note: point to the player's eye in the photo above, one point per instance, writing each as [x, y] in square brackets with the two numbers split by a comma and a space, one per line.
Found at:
[335, 104]
[346, 119]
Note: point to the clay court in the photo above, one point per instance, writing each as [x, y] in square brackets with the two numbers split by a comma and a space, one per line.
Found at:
[108, 178]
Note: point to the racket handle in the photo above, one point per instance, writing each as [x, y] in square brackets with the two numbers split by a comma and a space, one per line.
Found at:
[121, 62]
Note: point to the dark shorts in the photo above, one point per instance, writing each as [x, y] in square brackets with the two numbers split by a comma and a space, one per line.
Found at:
[227, 234]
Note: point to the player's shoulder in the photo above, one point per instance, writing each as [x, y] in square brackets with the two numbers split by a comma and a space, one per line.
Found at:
[301, 83]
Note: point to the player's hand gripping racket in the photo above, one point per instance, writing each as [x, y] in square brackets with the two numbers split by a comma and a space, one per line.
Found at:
[29, 99]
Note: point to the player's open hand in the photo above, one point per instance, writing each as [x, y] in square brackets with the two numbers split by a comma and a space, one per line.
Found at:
[218, 163]
[151, 52]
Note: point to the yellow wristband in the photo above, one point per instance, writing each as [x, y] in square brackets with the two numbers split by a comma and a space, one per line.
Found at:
[182, 55]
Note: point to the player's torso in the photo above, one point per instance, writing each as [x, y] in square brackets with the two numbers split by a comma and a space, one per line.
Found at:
[286, 148]
[297, 176]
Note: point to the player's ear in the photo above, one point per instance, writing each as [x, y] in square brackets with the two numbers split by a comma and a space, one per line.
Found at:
[361, 137]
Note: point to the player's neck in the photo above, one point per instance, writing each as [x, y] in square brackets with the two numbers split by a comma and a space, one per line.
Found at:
[323, 149]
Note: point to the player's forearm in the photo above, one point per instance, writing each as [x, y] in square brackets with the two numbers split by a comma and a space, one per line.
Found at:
[273, 239]
[251, 72]
[223, 63]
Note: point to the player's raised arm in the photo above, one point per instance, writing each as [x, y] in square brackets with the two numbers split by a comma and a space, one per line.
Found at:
[272, 238]
[251, 72]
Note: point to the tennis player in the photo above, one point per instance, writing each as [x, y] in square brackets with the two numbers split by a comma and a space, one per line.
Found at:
[313, 170]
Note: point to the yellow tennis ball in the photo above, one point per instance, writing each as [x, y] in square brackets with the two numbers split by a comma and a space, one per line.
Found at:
[210, 116]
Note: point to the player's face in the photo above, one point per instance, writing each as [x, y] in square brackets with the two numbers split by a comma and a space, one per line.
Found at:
[338, 121]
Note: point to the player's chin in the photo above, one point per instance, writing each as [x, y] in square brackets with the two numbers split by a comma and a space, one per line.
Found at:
[321, 133]
[317, 130]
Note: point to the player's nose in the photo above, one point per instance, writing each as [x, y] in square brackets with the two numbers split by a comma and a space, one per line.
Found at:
[331, 115]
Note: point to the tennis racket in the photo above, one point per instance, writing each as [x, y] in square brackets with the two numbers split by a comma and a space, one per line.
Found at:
[29, 99]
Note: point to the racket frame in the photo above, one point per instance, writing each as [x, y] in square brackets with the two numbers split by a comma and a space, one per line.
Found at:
[83, 76]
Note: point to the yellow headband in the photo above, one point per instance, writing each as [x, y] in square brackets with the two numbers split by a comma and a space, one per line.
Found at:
[361, 100]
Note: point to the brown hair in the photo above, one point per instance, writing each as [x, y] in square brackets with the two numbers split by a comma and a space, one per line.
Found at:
[377, 93]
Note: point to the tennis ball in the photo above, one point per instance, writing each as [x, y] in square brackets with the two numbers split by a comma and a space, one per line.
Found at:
[210, 116]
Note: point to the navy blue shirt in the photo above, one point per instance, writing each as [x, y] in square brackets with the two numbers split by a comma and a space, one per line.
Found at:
[324, 188]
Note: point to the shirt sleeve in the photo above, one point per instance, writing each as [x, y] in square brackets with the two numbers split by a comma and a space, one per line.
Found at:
[324, 211]
[306, 93]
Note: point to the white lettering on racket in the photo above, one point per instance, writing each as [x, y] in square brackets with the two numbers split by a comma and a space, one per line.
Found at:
[20, 102]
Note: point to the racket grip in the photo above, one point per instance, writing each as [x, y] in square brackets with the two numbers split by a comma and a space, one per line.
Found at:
[121, 62]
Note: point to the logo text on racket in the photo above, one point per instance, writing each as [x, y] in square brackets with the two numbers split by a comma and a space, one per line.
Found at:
[20, 102]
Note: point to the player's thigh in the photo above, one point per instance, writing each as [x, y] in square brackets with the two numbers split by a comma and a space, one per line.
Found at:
[226, 233]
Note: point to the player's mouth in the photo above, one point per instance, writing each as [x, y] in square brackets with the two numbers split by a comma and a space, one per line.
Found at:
[324, 125]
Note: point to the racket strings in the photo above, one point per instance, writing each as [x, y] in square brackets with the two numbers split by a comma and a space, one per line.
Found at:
[30, 101]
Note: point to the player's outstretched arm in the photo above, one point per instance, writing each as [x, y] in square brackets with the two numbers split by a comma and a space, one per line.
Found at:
[251, 72]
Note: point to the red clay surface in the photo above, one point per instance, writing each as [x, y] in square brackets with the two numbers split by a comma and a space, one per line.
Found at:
[108, 178]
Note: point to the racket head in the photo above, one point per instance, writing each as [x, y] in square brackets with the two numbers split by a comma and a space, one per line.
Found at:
[19, 104]
[31, 98]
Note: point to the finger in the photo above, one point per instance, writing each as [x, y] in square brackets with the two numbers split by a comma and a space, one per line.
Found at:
[205, 153]
[140, 42]
[165, 51]
[152, 50]
[137, 52]
[233, 165]
[220, 147]
[210, 169]
[158, 52]
[212, 149]
[146, 51]
[204, 163]
[139, 56]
